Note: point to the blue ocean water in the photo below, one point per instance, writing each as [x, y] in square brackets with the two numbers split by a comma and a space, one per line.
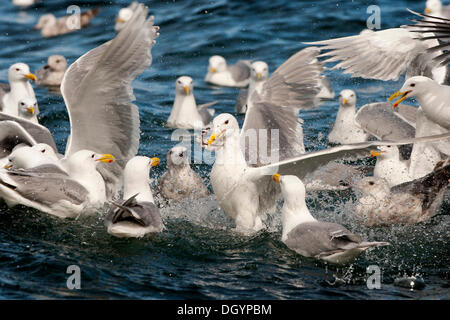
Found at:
[199, 255]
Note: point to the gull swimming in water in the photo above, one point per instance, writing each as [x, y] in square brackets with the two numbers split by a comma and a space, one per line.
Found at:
[28, 109]
[185, 113]
[19, 87]
[103, 75]
[124, 16]
[259, 74]
[53, 72]
[390, 166]
[221, 74]
[309, 237]
[345, 128]
[137, 215]
[51, 26]
[27, 157]
[436, 9]
[180, 181]
[411, 202]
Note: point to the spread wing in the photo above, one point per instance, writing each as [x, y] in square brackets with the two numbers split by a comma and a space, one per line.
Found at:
[97, 92]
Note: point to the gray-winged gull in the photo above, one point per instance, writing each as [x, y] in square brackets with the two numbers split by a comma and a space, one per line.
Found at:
[51, 26]
[111, 124]
[436, 9]
[19, 87]
[309, 237]
[53, 72]
[180, 181]
[137, 215]
[411, 202]
[185, 113]
[124, 15]
[27, 157]
[345, 128]
[244, 191]
[221, 74]
[390, 166]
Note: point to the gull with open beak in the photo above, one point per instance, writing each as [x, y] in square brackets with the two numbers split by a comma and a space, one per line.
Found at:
[19, 87]
[185, 113]
[389, 166]
[309, 237]
[136, 215]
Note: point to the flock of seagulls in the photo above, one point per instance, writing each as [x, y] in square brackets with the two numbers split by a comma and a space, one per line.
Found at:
[101, 167]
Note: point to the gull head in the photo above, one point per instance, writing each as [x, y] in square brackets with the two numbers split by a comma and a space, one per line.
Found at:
[46, 19]
[184, 86]
[124, 15]
[20, 72]
[386, 152]
[259, 71]
[217, 64]
[29, 157]
[347, 98]
[224, 126]
[178, 157]
[292, 188]
[87, 160]
[28, 108]
[413, 87]
[433, 7]
[56, 63]
[138, 168]
[373, 186]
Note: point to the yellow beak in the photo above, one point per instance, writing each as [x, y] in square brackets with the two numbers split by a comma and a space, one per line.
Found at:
[276, 177]
[106, 158]
[211, 139]
[403, 95]
[213, 70]
[7, 166]
[258, 75]
[427, 10]
[186, 89]
[30, 76]
[375, 153]
[155, 161]
[120, 20]
[30, 109]
[344, 101]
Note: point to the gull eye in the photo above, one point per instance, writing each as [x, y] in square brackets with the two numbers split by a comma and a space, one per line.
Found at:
[22, 104]
[413, 84]
[17, 69]
[226, 122]
[58, 61]
[352, 95]
[43, 150]
[371, 183]
[388, 146]
[93, 156]
[170, 152]
[181, 154]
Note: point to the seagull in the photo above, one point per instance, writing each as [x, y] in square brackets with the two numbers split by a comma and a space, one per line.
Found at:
[390, 166]
[48, 188]
[28, 109]
[185, 113]
[51, 26]
[309, 237]
[111, 124]
[23, 4]
[26, 157]
[219, 73]
[137, 215]
[259, 74]
[180, 181]
[124, 16]
[435, 8]
[408, 203]
[242, 185]
[345, 128]
[53, 72]
[18, 88]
